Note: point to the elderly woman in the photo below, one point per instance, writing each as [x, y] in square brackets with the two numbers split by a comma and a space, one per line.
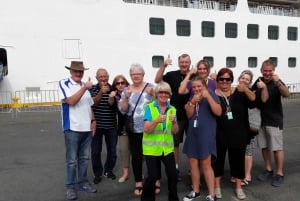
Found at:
[158, 145]
[132, 102]
[118, 85]
[203, 71]
[200, 143]
[232, 130]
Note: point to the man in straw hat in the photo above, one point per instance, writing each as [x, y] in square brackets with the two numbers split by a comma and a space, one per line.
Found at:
[78, 126]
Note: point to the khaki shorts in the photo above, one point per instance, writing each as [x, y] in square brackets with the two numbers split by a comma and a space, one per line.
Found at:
[271, 138]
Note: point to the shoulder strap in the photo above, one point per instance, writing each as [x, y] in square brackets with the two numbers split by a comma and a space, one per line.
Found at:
[139, 98]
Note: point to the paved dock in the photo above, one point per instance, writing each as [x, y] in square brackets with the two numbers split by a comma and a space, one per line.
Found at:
[32, 165]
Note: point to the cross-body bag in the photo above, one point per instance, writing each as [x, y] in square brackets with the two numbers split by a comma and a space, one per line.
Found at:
[129, 123]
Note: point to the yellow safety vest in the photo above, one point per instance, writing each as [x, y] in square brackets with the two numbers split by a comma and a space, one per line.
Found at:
[160, 141]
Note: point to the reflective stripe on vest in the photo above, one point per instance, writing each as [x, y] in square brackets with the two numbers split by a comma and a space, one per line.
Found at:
[160, 141]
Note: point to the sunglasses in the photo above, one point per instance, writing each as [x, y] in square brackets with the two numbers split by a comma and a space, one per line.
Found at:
[222, 79]
[163, 92]
[120, 83]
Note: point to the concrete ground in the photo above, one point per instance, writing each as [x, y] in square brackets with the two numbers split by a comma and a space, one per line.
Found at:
[32, 164]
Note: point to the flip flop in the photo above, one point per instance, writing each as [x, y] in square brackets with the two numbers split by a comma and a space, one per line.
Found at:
[232, 179]
[138, 190]
[245, 182]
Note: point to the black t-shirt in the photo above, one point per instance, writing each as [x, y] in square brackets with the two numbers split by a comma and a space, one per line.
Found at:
[174, 78]
[234, 133]
[271, 111]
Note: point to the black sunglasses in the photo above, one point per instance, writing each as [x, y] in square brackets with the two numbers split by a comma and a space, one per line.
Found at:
[227, 79]
[120, 83]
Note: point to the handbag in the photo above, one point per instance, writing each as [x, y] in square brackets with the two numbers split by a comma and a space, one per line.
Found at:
[129, 123]
[254, 119]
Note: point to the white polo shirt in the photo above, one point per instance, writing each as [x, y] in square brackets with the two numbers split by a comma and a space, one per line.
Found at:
[77, 117]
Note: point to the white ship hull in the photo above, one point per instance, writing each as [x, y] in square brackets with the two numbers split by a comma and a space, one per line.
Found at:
[41, 37]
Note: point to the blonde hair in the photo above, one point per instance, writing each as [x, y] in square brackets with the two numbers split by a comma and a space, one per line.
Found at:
[162, 86]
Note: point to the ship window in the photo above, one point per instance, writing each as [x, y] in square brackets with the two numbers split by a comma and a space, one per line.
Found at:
[210, 60]
[157, 61]
[231, 62]
[252, 31]
[252, 62]
[273, 32]
[274, 60]
[231, 30]
[3, 63]
[183, 27]
[208, 29]
[157, 26]
[292, 33]
[292, 62]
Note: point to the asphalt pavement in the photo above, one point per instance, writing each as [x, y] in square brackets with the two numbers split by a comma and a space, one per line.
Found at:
[32, 165]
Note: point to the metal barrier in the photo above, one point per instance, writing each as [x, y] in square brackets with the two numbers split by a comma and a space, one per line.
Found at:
[5, 101]
[35, 100]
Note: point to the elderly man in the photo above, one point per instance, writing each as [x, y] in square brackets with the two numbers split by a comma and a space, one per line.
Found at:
[78, 123]
[105, 114]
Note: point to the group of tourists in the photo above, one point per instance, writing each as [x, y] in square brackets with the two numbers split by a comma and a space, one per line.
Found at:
[205, 111]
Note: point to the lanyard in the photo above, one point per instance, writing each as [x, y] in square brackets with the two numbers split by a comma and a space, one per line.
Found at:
[226, 100]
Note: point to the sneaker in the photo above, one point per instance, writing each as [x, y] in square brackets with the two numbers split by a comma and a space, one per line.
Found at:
[97, 179]
[191, 196]
[211, 198]
[110, 175]
[218, 193]
[71, 194]
[87, 188]
[240, 194]
[277, 180]
[265, 175]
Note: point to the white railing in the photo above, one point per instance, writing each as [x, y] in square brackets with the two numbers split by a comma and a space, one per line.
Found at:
[196, 4]
[274, 10]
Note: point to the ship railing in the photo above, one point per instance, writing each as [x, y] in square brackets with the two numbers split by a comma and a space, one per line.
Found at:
[196, 4]
[274, 10]
[5, 101]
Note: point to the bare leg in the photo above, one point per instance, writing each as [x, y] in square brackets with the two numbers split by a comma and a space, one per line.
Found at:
[267, 158]
[279, 158]
[195, 174]
[208, 175]
[248, 167]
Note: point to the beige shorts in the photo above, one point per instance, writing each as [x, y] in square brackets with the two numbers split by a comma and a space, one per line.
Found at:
[271, 138]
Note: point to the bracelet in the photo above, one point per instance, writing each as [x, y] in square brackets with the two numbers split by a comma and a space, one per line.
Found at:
[193, 102]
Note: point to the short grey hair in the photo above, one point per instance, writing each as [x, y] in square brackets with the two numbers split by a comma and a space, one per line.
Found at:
[162, 86]
[136, 66]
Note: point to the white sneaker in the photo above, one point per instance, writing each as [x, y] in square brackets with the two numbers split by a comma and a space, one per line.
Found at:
[240, 194]
[218, 193]
[191, 196]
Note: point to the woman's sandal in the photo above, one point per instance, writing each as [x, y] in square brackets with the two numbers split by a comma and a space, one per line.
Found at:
[157, 189]
[245, 182]
[138, 190]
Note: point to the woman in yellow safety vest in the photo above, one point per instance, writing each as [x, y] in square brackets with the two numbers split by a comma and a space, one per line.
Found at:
[159, 126]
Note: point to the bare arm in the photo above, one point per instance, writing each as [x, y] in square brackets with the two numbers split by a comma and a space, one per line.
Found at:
[160, 73]
[283, 89]
[215, 107]
[183, 85]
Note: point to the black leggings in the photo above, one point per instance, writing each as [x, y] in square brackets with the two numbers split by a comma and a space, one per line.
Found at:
[135, 141]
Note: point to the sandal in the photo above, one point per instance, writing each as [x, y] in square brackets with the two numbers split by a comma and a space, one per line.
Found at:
[138, 190]
[157, 189]
[245, 182]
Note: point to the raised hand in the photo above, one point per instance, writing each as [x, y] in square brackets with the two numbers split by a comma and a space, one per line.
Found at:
[260, 84]
[89, 83]
[128, 92]
[168, 61]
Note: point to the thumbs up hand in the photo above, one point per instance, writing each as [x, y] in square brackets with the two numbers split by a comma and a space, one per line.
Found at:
[89, 83]
[168, 61]
[260, 84]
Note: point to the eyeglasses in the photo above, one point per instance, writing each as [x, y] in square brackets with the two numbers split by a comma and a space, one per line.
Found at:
[163, 92]
[222, 79]
[120, 83]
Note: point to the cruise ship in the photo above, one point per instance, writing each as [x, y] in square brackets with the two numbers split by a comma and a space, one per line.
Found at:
[38, 38]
